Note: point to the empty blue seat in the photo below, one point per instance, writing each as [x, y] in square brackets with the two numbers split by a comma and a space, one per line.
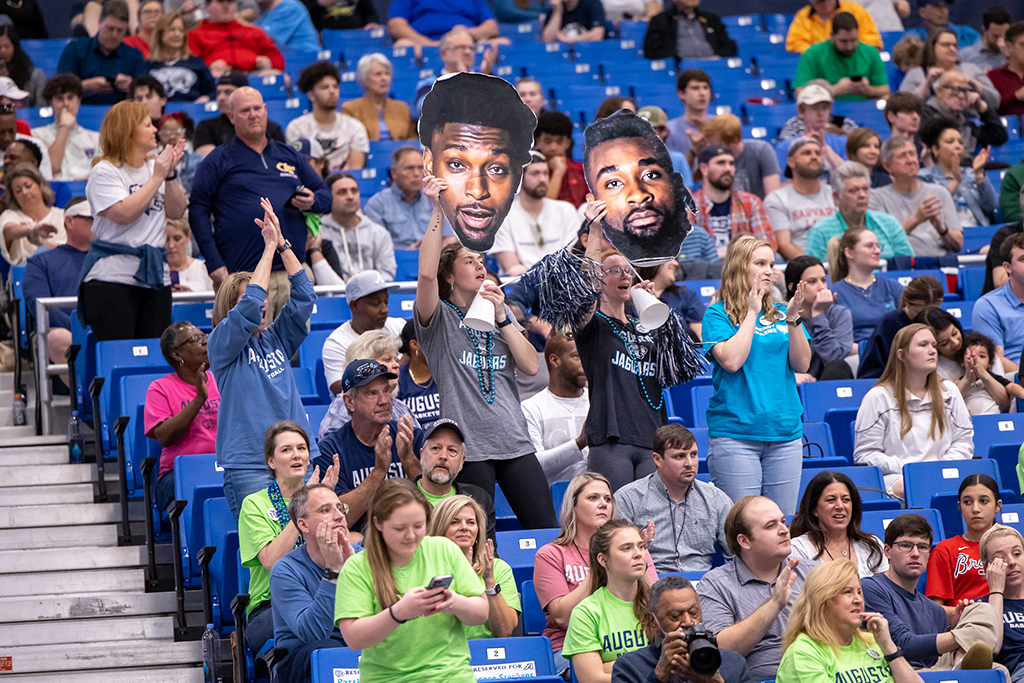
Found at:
[133, 393]
[199, 313]
[876, 521]
[400, 304]
[962, 311]
[313, 345]
[196, 479]
[529, 657]
[868, 480]
[334, 665]
[905, 276]
[329, 312]
[960, 676]
[701, 397]
[504, 518]
[283, 112]
[115, 359]
[534, 618]
[519, 547]
[408, 261]
[681, 398]
[220, 531]
[997, 430]
[315, 414]
[819, 398]
[922, 480]
[1006, 457]
[819, 450]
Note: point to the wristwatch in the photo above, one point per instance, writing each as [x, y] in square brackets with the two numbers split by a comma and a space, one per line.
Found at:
[330, 574]
[895, 655]
[505, 323]
[284, 247]
[796, 322]
[493, 591]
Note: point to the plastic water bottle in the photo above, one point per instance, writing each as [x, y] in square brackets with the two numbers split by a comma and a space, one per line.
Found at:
[76, 440]
[18, 414]
[209, 659]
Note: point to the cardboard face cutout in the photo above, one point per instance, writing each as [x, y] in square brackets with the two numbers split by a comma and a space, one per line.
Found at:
[628, 167]
[476, 134]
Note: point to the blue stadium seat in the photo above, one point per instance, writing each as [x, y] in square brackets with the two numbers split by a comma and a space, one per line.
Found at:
[306, 384]
[329, 312]
[502, 658]
[198, 112]
[45, 53]
[199, 313]
[504, 518]
[534, 619]
[220, 531]
[115, 359]
[864, 478]
[704, 288]
[85, 365]
[133, 394]
[283, 112]
[17, 280]
[518, 548]
[818, 447]
[961, 310]
[701, 397]
[315, 414]
[875, 522]
[371, 181]
[400, 304]
[520, 33]
[682, 399]
[196, 479]
[959, 676]
[922, 480]
[313, 345]
[820, 397]
[353, 40]
[558, 490]
[91, 115]
[334, 665]
[408, 261]
[1012, 514]
[905, 276]
[1006, 457]
[997, 430]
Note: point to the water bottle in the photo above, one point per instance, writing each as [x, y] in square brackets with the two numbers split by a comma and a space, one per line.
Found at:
[76, 440]
[18, 419]
[209, 659]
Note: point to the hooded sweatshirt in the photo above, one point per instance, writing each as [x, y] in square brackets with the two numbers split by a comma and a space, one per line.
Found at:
[367, 246]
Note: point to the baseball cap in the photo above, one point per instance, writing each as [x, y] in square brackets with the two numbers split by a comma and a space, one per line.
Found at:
[793, 149]
[655, 115]
[444, 422]
[361, 372]
[366, 283]
[239, 79]
[308, 147]
[813, 94]
[78, 206]
[9, 89]
[712, 151]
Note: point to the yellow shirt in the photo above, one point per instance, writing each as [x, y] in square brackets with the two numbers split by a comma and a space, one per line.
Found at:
[809, 28]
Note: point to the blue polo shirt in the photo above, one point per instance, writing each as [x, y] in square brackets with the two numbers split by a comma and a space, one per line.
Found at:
[84, 58]
[406, 222]
[999, 315]
[434, 18]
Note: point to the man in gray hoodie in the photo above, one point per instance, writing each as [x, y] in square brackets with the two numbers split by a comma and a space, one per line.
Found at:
[360, 243]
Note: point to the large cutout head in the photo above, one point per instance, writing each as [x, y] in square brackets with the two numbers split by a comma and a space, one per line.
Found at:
[629, 168]
[476, 134]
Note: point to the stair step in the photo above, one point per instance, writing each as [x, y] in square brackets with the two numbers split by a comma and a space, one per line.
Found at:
[87, 631]
[46, 475]
[28, 437]
[74, 582]
[98, 535]
[102, 655]
[58, 559]
[26, 434]
[34, 455]
[64, 494]
[27, 516]
[193, 674]
[85, 606]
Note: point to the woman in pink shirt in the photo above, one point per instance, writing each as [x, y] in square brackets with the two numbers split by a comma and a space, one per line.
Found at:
[181, 407]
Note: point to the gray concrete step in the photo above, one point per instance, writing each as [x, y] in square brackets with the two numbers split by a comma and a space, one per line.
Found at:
[98, 535]
[28, 437]
[69, 558]
[18, 517]
[73, 582]
[85, 606]
[34, 455]
[193, 674]
[102, 655]
[47, 475]
[78, 631]
[64, 494]
[25, 435]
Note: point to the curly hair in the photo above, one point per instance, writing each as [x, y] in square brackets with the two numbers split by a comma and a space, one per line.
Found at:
[314, 73]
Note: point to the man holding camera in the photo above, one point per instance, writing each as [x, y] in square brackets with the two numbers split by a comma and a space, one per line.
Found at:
[681, 649]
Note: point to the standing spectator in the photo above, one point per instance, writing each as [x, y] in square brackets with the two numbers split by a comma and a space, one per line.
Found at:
[372, 249]
[922, 293]
[26, 75]
[382, 117]
[998, 314]
[935, 15]
[150, 12]
[854, 69]
[187, 274]
[402, 208]
[757, 169]
[225, 44]
[234, 176]
[865, 147]
[219, 130]
[148, 92]
[888, 15]
[184, 77]
[179, 126]
[570, 21]
[755, 427]
[903, 115]
[941, 55]
[794, 208]
[566, 179]
[813, 24]
[957, 98]
[289, 24]
[829, 324]
[342, 137]
[987, 53]
[27, 17]
[104, 63]
[343, 14]
[416, 385]
[126, 292]
[814, 111]
[658, 119]
[421, 22]
[680, 298]
[1009, 78]
[535, 226]
[856, 257]
[71, 147]
[181, 407]
[31, 221]
[972, 192]
[925, 210]
[693, 87]
[683, 30]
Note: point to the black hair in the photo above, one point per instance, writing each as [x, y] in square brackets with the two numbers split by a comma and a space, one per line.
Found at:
[933, 130]
[610, 106]
[335, 177]
[907, 524]
[806, 519]
[683, 79]
[117, 9]
[20, 66]
[1015, 31]
[900, 102]
[624, 124]
[844, 21]
[150, 82]
[978, 480]
[314, 73]
[32, 147]
[553, 123]
[408, 334]
[939, 320]
[61, 84]
[478, 100]
[994, 15]
[167, 339]
[795, 271]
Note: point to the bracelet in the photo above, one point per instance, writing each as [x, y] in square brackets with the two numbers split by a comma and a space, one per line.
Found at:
[995, 592]
[315, 250]
[173, 176]
[392, 613]
[895, 655]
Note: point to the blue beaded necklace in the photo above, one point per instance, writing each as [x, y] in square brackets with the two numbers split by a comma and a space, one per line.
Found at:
[636, 365]
[486, 388]
[283, 518]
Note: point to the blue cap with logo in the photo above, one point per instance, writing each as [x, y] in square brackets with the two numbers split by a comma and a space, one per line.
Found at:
[361, 372]
[446, 423]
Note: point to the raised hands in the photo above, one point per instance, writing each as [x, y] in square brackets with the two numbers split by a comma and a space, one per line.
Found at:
[796, 304]
[168, 159]
[330, 476]
[783, 590]
[270, 227]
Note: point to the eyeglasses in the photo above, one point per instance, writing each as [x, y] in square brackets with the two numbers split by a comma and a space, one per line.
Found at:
[957, 89]
[197, 338]
[328, 509]
[907, 546]
[617, 271]
[168, 134]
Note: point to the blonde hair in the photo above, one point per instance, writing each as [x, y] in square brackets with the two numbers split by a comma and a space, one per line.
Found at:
[734, 291]
[895, 377]
[572, 494]
[996, 531]
[371, 345]
[30, 171]
[444, 515]
[227, 295]
[725, 127]
[812, 612]
[180, 224]
[156, 47]
[392, 494]
[838, 264]
[117, 134]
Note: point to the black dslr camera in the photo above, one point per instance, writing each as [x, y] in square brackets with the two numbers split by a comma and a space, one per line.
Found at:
[703, 650]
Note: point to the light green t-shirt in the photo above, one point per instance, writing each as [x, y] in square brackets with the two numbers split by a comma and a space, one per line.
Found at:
[433, 499]
[257, 526]
[504, 578]
[603, 623]
[808, 661]
[426, 650]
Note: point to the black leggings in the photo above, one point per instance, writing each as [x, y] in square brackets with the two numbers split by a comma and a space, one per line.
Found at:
[522, 481]
[117, 311]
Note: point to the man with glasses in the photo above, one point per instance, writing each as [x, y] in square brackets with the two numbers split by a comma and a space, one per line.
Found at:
[71, 147]
[303, 582]
[919, 626]
[959, 98]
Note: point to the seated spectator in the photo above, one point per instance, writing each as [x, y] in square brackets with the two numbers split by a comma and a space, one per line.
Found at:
[813, 24]
[972, 192]
[903, 115]
[148, 92]
[827, 526]
[184, 77]
[854, 69]
[814, 111]
[441, 459]
[170, 129]
[722, 212]
[693, 87]
[535, 226]
[343, 15]
[371, 247]
[732, 596]
[26, 150]
[1008, 79]
[26, 75]
[698, 257]
[888, 15]
[555, 416]
[104, 63]
[462, 520]
[150, 12]
[674, 488]
[615, 604]
[631, 10]
[956, 98]
[289, 24]
[303, 582]
[680, 298]
[419, 22]
[907, 54]
[941, 55]
[402, 208]
[31, 221]
[226, 44]
[658, 119]
[342, 137]
[935, 17]
[997, 314]
[211, 133]
[265, 531]
[684, 31]
[852, 266]
[458, 53]
[181, 407]
[383, 117]
[28, 18]
[613, 104]
[532, 94]
[918, 625]
[829, 324]
[70, 146]
[553, 137]
[864, 146]
[933, 422]
[795, 207]
[188, 274]
[570, 21]
[987, 53]
[416, 385]
[921, 293]
[925, 210]
[1001, 546]
[757, 170]
[1011, 198]
[824, 640]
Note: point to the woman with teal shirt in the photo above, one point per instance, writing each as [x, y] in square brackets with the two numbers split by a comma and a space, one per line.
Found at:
[754, 418]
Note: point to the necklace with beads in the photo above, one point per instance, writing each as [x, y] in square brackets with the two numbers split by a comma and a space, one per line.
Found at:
[479, 340]
[635, 365]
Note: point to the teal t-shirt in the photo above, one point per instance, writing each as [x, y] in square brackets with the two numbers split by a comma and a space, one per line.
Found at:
[808, 661]
[758, 402]
[822, 61]
[257, 526]
[605, 624]
[504, 578]
[426, 650]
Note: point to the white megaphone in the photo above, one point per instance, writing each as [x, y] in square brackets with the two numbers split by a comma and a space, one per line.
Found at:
[651, 311]
[480, 315]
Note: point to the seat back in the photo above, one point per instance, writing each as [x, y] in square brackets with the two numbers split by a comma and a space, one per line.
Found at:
[1006, 458]
[997, 430]
[961, 676]
[400, 304]
[408, 261]
[313, 346]
[315, 415]
[219, 530]
[334, 665]
[519, 547]
[504, 658]
[700, 398]
[504, 518]
[818, 444]
[115, 359]
[199, 313]
[85, 365]
[195, 476]
[922, 480]
[876, 521]
[133, 395]
[682, 398]
[534, 619]
[329, 312]
[862, 477]
[820, 397]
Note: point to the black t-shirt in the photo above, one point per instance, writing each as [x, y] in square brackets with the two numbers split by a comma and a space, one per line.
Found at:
[218, 130]
[994, 258]
[587, 15]
[342, 14]
[27, 17]
[618, 409]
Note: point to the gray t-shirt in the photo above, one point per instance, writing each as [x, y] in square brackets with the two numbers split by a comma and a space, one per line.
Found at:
[757, 161]
[494, 431]
[787, 209]
[924, 238]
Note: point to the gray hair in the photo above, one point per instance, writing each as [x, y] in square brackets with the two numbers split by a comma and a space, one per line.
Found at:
[372, 344]
[451, 34]
[844, 172]
[396, 156]
[297, 505]
[366, 61]
[891, 145]
[668, 583]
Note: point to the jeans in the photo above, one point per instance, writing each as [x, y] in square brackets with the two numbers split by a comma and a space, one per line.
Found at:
[239, 483]
[621, 463]
[259, 626]
[295, 667]
[757, 468]
[165, 490]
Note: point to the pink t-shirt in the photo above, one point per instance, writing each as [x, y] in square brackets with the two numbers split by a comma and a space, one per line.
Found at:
[168, 396]
[559, 570]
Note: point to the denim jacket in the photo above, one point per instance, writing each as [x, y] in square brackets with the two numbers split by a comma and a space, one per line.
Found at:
[981, 199]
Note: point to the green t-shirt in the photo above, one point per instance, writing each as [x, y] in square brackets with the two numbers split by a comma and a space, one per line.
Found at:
[431, 498]
[504, 578]
[603, 623]
[257, 526]
[426, 650]
[808, 661]
[822, 61]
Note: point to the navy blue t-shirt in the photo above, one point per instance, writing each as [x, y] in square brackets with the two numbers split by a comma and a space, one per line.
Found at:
[185, 80]
[686, 302]
[1012, 651]
[423, 402]
[588, 14]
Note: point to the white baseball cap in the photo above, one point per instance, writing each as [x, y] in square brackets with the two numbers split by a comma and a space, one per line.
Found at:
[78, 209]
[813, 94]
[9, 89]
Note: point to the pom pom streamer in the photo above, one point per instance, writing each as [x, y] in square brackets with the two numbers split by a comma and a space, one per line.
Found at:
[567, 289]
[679, 360]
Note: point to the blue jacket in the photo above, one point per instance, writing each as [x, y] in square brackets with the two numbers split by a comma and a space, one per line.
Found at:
[53, 272]
[254, 374]
[303, 602]
[84, 58]
[290, 26]
[228, 185]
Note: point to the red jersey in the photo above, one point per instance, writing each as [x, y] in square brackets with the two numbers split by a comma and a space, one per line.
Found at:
[574, 184]
[955, 571]
[139, 43]
[236, 44]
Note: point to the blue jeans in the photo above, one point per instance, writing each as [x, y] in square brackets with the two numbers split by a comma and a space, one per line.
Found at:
[757, 468]
[239, 483]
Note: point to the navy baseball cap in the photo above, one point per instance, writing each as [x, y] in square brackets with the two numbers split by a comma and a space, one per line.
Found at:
[361, 372]
[445, 423]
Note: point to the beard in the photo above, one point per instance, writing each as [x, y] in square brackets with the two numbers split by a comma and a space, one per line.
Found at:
[537, 191]
[722, 182]
[440, 475]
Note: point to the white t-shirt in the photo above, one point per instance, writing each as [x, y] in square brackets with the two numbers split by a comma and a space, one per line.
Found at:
[109, 184]
[345, 135]
[532, 240]
[554, 423]
[338, 342]
[977, 398]
[83, 145]
[616, 10]
[21, 248]
[196, 277]
[787, 209]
